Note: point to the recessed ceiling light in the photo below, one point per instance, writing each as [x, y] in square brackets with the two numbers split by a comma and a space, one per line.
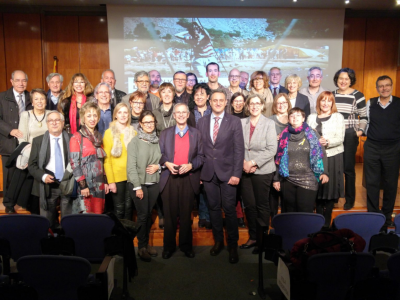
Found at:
[347, 1]
[398, 2]
[294, 0]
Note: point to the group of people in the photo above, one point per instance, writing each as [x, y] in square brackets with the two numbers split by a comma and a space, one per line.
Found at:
[165, 144]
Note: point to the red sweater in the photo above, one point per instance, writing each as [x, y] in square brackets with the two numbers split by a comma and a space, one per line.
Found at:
[181, 149]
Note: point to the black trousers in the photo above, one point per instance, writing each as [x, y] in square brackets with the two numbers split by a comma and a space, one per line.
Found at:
[144, 208]
[297, 199]
[350, 144]
[52, 202]
[7, 176]
[381, 162]
[255, 192]
[325, 208]
[274, 197]
[221, 194]
[178, 199]
[122, 201]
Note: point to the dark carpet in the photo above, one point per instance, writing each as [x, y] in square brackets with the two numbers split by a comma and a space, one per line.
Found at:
[203, 277]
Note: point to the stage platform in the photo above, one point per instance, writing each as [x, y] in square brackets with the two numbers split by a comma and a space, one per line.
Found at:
[204, 237]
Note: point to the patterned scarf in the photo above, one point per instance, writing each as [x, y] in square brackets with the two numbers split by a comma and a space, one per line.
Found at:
[96, 140]
[73, 110]
[316, 152]
[148, 137]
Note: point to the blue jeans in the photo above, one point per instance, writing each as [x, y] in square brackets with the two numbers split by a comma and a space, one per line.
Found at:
[203, 209]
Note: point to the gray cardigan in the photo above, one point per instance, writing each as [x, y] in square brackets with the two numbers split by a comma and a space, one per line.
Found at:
[140, 155]
[263, 145]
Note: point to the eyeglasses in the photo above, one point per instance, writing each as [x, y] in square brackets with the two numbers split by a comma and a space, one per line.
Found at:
[234, 76]
[281, 103]
[79, 82]
[103, 92]
[20, 80]
[181, 113]
[179, 80]
[143, 81]
[238, 101]
[150, 123]
[384, 86]
[192, 80]
[258, 79]
[137, 103]
[315, 76]
[255, 104]
[54, 121]
[218, 101]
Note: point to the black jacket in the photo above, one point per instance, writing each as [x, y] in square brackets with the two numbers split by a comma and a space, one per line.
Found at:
[9, 120]
[119, 94]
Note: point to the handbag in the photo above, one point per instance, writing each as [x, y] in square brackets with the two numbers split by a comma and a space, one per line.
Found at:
[68, 185]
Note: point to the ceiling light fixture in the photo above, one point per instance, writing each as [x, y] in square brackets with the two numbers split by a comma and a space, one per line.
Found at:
[398, 2]
[347, 1]
[294, 0]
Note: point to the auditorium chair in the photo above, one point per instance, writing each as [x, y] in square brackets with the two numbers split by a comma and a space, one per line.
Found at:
[397, 224]
[365, 224]
[21, 235]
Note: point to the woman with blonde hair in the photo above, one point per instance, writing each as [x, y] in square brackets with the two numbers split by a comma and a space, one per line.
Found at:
[293, 84]
[73, 98]
[115, 141]
[259, 85]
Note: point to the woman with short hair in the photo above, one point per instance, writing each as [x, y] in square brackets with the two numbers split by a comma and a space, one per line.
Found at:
[115, 142]
[163, 114]
[137, 101]
[87, 157]
[259, 85]
[293, 84]
[237, 105]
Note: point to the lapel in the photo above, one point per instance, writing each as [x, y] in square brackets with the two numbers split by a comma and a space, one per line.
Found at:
[246, 131]
[171, 141]
[10, 96]
[65, 150]
[208, 121]
[257, 131]
[48, 152]
[192, 142]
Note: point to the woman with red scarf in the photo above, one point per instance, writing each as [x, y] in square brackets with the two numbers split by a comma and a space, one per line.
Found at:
[75, 95]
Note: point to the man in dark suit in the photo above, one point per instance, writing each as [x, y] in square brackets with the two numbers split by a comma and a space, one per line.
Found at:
[47, 163]
[108, 76]
[55, 82]
[223, 148]
[13, 102]
[182, 157]
[275, 77]
[382, 149]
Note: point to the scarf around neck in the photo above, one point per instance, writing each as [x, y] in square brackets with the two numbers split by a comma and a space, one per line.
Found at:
[96, 140]
[148, 137]
[316, 152]
[73, 111]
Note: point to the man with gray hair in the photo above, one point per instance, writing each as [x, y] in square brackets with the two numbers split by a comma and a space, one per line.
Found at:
[142, 82]
[314, 87]
[108, 76]
[13, 102]
[275, 76]
[55, 82]
[47, 164]
[182, 158]
[234, 82]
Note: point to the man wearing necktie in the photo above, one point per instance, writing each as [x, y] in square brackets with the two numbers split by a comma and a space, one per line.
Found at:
[12, 103]
[47, 162]
[223, 148]
[182, 157]
[275, 76]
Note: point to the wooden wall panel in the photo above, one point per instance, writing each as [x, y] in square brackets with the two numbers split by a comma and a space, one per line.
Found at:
[94, 55]
[23, 47]
[381, 52]
[396, 88]
[354, 47]
[3, 73]
[61, 39]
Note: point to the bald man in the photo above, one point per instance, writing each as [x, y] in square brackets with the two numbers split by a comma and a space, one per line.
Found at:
[234, 82]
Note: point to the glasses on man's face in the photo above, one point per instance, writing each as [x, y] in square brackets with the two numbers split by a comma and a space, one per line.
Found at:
[79, 82]
[137, 103]
[150, 123]
[179, 113]
[20, 80]
[384, 86]
[179, 80]
[54, 121]
[103, 92]
[255, 104]
[234, 76]
[143, 82]
[315, 76]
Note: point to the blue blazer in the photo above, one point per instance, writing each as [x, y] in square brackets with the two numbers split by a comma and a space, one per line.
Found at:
[225, 157]
[167, 147]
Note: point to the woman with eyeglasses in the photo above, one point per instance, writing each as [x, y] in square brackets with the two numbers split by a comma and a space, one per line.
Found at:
[74, 97]
[163, 114]
[237, 105]
[259, 85]
[137, 101]
[143, 177]
[191, 82]
[258, 168]
[280, 109]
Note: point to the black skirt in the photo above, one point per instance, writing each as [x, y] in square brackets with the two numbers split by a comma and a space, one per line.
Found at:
[334, 188]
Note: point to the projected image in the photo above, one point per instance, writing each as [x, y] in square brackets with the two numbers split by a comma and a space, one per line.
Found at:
[189, 44]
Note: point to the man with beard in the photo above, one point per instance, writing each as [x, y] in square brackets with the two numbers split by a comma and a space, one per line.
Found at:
[142, 82]
[181, 96]
[155, 81]
[314, 87]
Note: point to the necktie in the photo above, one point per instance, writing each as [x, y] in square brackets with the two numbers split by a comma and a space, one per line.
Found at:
[20, 104]
[59, 163]
[275, 91]
[215, 129]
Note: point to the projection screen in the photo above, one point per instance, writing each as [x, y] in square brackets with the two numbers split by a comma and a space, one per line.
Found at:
[176, 38]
